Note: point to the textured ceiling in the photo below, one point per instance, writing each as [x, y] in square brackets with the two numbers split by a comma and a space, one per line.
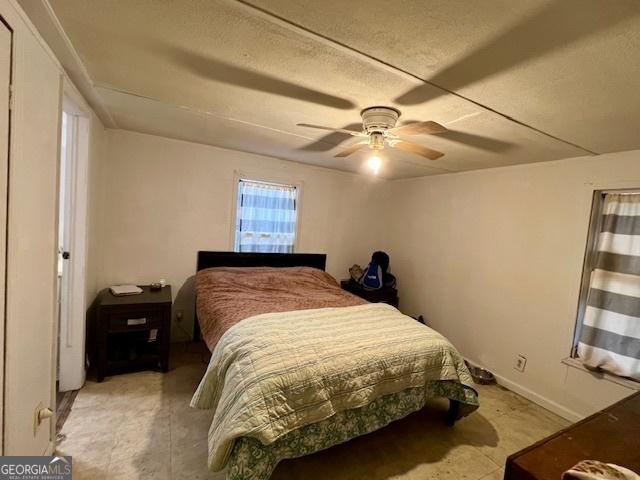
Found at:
[517, 82]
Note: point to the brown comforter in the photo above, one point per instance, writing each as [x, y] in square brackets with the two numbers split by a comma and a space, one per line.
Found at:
[227, 295]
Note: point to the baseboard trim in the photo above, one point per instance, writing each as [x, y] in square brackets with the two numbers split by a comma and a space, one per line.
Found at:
[536, 398]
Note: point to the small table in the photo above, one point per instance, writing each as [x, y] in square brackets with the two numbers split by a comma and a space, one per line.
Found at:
[382, 295]
[611, 436]
[132, 331]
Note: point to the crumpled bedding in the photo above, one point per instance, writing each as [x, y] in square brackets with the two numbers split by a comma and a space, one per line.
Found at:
[226, 295]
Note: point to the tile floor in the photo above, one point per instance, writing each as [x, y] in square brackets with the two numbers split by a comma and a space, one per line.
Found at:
[140, 426]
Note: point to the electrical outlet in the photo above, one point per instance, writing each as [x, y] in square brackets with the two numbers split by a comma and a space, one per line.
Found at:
[179, 315]
[520, 363]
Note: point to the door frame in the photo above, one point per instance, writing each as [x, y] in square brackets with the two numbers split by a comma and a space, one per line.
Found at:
[72, 332]
[4, 309]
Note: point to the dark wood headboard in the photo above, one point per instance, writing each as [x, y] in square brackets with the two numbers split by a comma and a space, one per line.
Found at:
[236, 259]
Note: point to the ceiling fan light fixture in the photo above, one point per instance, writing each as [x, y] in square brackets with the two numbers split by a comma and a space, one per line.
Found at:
[374, 163]
[379, 119]
[379, 127]
[376, 141]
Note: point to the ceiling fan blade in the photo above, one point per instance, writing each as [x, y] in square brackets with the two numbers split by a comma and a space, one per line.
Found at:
[417, 149]
[477, 141]
[471, 139]
[340, 130]
[352, 149]
[419, 128]
[330, 140]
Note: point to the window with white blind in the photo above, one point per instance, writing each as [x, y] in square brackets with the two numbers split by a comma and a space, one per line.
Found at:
[266, 217]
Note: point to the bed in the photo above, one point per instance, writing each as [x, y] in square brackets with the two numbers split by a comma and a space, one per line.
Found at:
[299, 365]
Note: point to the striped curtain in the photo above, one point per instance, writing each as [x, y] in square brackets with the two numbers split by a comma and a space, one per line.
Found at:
[266, 217]
[610, 333]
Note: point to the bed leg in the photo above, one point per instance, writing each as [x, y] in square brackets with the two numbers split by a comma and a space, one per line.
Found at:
[453, 414]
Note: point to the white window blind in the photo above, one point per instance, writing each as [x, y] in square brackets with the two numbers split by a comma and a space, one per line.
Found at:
[266, 217]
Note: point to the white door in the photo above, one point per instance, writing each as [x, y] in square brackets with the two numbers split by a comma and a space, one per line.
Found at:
[5, 82]
[67, 146]
[31, 285]
[74, 144]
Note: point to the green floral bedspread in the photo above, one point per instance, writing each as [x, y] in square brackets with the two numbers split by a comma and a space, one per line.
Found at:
[251, 460]
[273, 374]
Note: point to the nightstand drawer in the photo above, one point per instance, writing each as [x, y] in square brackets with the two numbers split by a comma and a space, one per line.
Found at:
[135, 320]
[383, 295]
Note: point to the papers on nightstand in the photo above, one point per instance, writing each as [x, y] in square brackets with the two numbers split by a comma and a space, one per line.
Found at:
[120, 290]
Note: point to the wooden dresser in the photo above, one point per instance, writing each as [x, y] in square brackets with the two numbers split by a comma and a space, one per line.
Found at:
[611, 436]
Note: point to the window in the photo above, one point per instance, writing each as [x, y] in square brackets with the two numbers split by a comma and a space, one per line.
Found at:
[608, 327]
[266, 217]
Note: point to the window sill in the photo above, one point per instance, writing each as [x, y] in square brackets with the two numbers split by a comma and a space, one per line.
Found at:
[576, 363]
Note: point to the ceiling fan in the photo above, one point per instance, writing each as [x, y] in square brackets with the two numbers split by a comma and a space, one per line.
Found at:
[379, 129]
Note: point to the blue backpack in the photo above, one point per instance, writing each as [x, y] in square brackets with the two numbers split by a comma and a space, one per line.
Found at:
[374, 274]
[372, 277]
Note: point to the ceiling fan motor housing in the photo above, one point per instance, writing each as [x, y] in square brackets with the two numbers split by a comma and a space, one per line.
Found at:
[376, 141]
[379, 119]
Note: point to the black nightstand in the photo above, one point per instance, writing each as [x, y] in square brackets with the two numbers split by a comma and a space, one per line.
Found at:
[383, 295]
[131, 331]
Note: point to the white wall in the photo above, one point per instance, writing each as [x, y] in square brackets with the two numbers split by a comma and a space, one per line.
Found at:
[493, 259]
[166, 199]
[96, 191]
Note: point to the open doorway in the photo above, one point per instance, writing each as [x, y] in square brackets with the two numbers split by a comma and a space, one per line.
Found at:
[72, 220]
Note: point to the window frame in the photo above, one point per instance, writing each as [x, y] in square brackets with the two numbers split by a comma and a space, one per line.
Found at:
[588, 265]
[266, 178]
[595, 222]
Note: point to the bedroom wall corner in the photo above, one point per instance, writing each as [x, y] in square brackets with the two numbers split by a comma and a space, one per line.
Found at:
[95, 194]
[493, 260]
